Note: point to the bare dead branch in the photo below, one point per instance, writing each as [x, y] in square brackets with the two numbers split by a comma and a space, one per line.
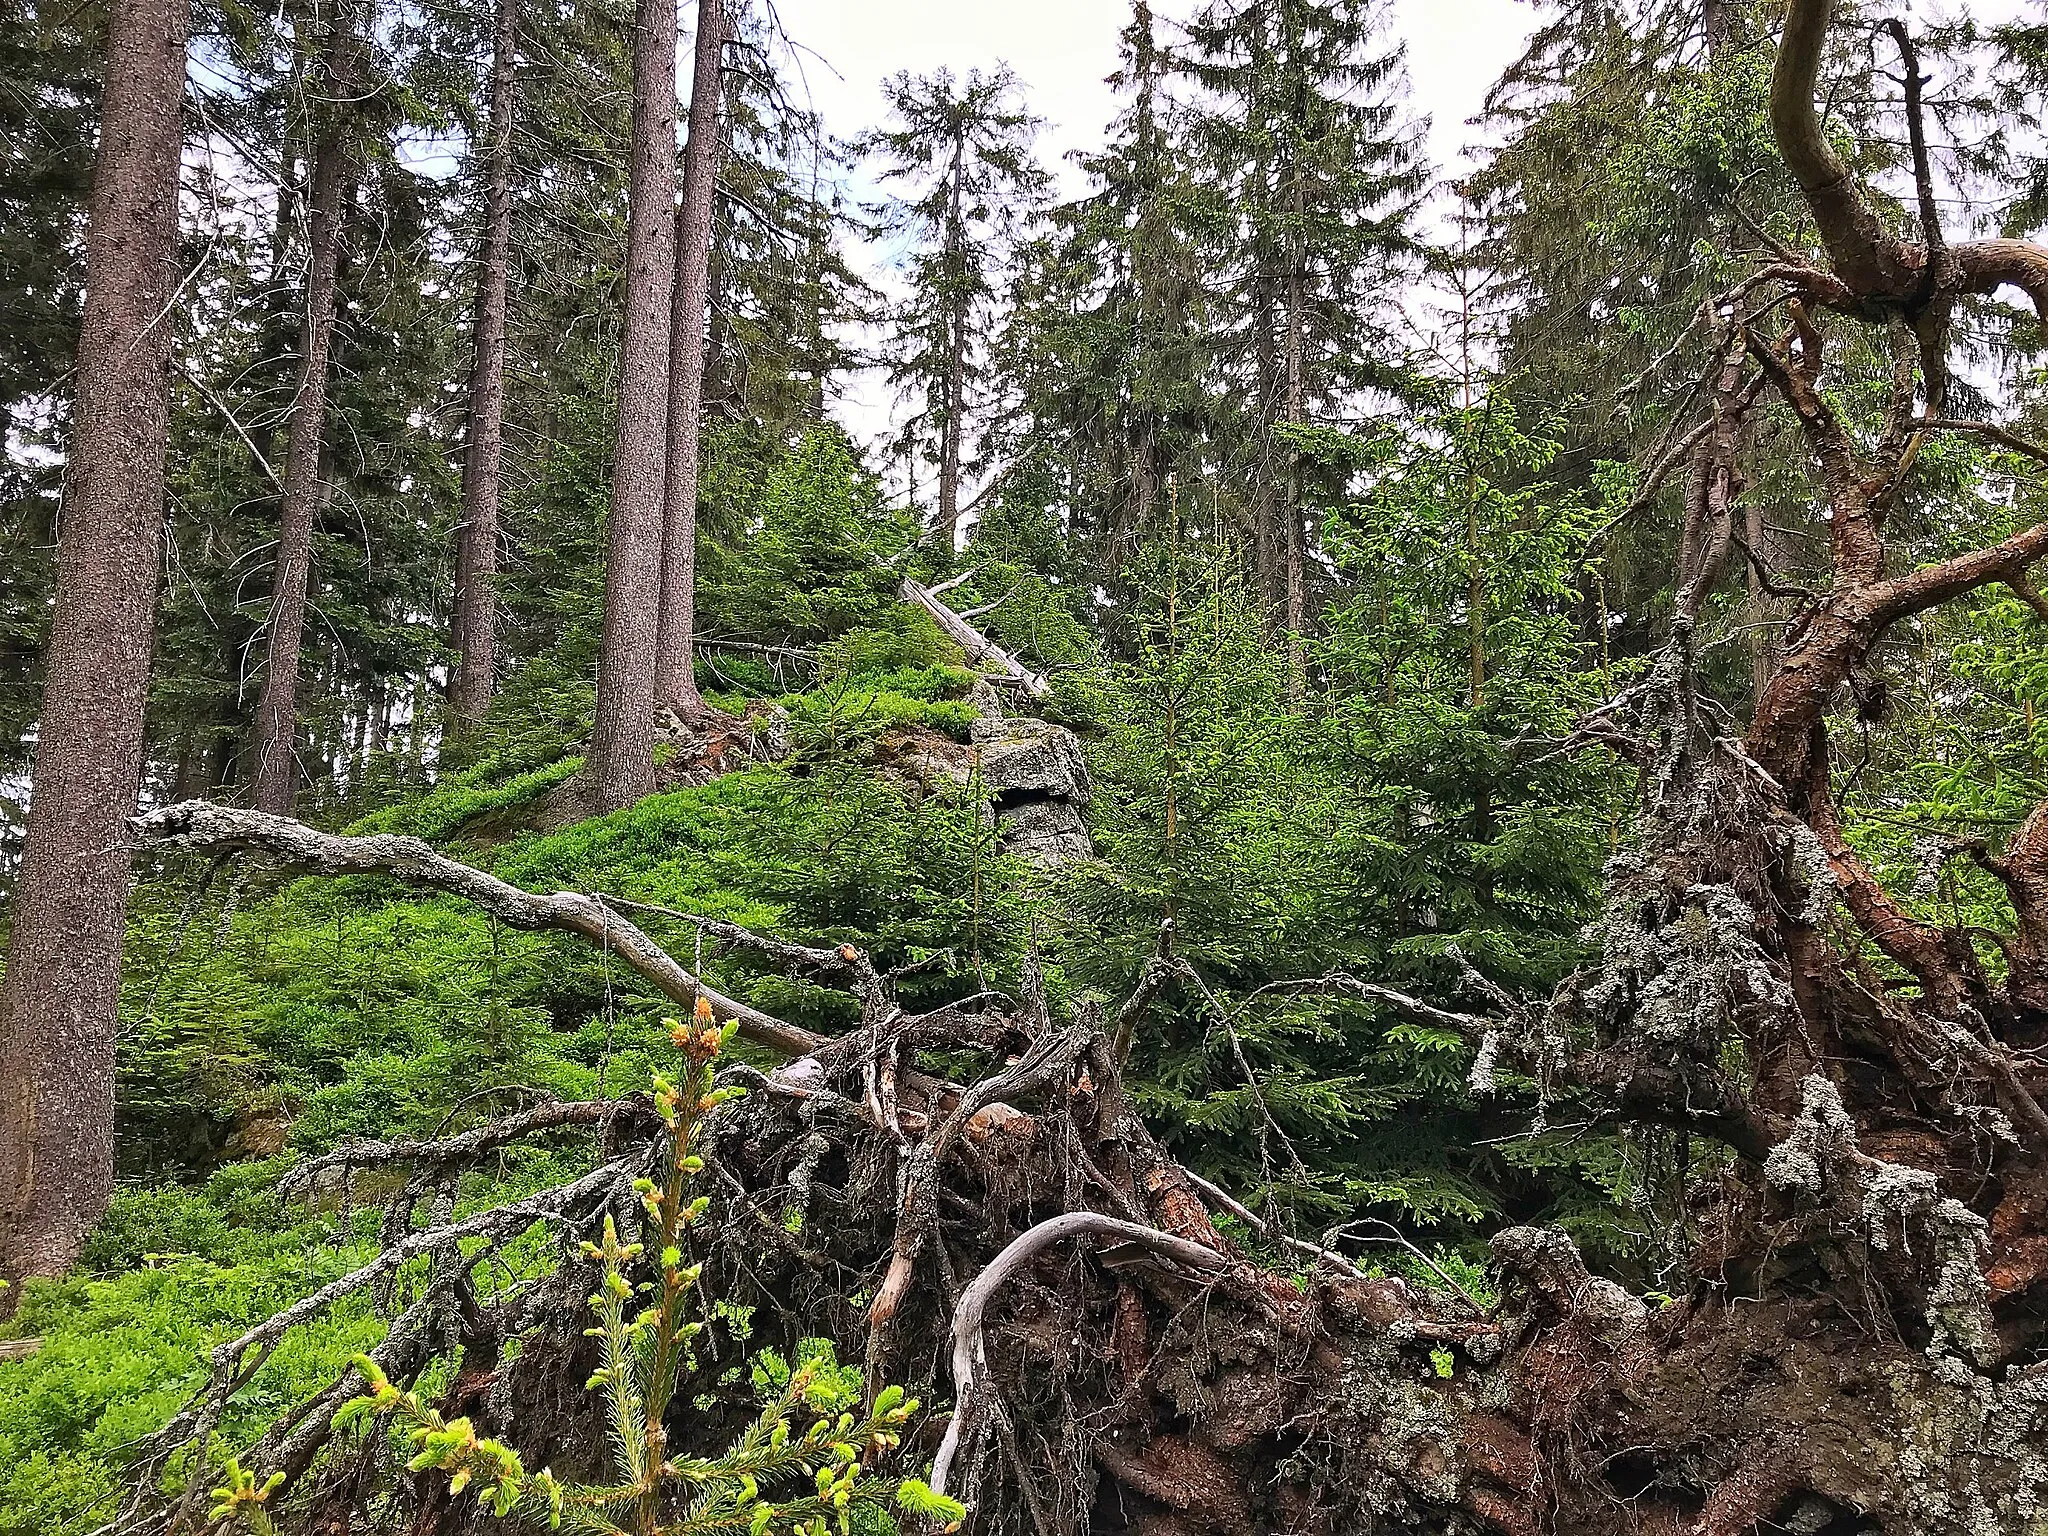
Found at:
[2005, 439]
[981, 651]
[1865, 255]
[205, 827]
[1265, 1228]
[460, 1151]
[969, 1353]
[1875, 265]
[844, 959]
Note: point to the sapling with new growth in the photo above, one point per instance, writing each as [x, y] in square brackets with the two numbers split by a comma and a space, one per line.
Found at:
[775, 1479]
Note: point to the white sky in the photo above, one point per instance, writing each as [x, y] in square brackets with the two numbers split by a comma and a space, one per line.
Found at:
[1063, 50]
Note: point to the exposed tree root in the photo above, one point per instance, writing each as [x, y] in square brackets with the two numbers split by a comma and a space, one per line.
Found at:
[1156, 1380]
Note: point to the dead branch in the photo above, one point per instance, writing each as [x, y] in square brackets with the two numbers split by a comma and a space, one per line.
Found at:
[290, 1445]
[842, 959]
[969, 1353]
[205, 827]
[1158, 971]
[951, 582]
[460, 1151]
[497, 1225]
[2005, 439]
[1876, 265]
[1265, 1228]
[981, 651]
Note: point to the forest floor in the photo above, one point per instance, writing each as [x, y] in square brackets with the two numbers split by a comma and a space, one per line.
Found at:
[267, 1019]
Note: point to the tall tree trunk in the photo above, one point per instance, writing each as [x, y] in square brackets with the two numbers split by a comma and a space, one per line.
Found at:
[1720, 21]
[1293, 535]
[956, 351]
[1266, 359]
[276, 770]
[675, 679]
[476, 552]
[60, 996]
[622, 738]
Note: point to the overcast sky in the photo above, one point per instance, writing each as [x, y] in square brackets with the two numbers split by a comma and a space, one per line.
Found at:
[1063, 50]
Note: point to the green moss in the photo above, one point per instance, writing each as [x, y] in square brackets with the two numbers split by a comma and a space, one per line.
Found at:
[462, 797]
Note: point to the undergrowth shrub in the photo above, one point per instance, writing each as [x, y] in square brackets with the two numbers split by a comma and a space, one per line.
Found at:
[168, 1275]
[359, 1007]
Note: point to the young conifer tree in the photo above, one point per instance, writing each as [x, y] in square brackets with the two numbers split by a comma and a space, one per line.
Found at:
[957, 156]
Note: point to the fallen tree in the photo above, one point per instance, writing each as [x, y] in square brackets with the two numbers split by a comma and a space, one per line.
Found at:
[981, 651]
[1855, 1344]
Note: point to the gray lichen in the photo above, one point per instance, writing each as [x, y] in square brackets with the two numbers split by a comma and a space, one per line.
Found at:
[1896, 1207]
[1822, 1137]
[1813, 872]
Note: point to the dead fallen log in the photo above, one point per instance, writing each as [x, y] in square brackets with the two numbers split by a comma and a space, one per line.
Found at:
[981, 651]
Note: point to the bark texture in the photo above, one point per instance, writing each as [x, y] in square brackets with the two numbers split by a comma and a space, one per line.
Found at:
[275, 775]
[476, 550]
[953, 403]
[58, 1003]
[622, 738]
[675, 678]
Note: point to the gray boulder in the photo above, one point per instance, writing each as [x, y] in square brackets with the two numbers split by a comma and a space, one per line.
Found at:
[1047, 833]
[1031, 760]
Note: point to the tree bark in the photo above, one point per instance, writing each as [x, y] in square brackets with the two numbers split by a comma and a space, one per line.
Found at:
[675, 677]
[276, 774]
[622, 738]
[59, 1000]
[1294, 535]
[476, 555]
[956, 349]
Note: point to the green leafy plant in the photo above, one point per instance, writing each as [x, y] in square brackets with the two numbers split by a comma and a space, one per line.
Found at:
[776, 1478]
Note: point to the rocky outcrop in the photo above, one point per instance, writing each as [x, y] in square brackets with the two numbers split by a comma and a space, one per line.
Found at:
[1033, 772]
[1037, 779]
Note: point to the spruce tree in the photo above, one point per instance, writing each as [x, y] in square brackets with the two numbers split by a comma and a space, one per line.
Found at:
[964, 186]
[675, 683]
[1313, 178]
[59, 997]
[622, 736]
[1108, 345]
[337, 85]
[476, 554]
